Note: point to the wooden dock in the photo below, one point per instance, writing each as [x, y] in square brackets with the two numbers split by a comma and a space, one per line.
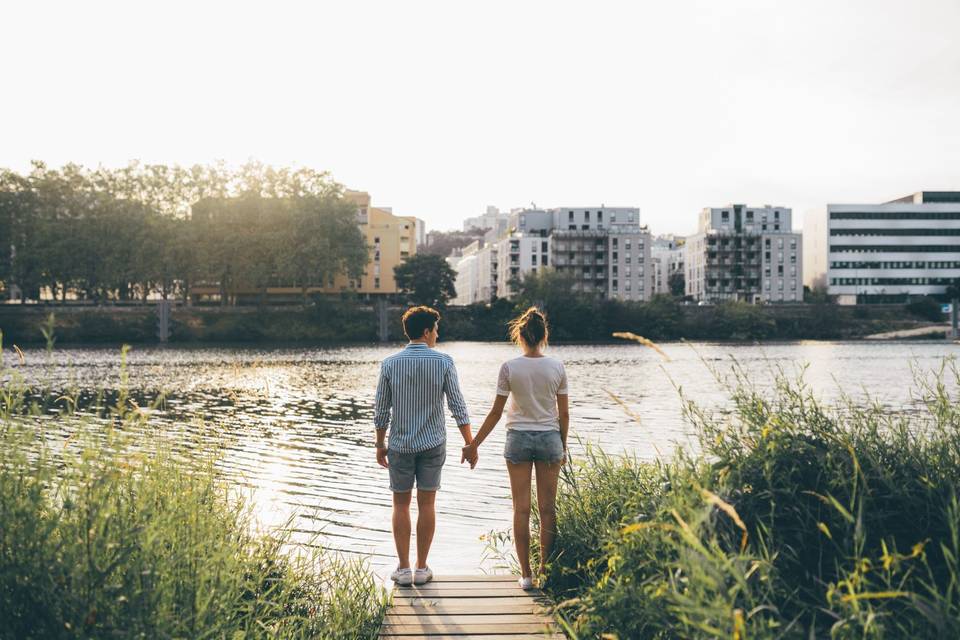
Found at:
[476, 607]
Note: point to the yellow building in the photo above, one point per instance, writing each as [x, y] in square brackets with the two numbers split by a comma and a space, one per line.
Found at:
[390, 239]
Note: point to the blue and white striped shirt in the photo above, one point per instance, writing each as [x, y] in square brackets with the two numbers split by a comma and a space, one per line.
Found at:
[412, 385]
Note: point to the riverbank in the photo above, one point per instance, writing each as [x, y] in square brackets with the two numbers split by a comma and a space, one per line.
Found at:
[339, 321]
[798, 519]
[108, 532]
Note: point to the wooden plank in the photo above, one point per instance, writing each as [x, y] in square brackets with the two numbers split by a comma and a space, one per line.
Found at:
[476, 578]
[409, 592]
[461, 607]
[460, 618]
[482, 636]
[462, 629]
[474, 608]
[492, 603]
[463, 584]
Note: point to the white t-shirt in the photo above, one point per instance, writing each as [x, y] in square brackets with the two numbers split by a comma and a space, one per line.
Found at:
[533, 385]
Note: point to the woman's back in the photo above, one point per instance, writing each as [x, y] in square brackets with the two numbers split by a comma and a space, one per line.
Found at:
[533, 384]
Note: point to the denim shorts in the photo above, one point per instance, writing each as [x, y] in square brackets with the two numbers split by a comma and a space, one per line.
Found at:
[533, 446]
[422, 466]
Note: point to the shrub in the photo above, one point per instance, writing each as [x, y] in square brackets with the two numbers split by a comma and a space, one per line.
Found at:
[796, 519]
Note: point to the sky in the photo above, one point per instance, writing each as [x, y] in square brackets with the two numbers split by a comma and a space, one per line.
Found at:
[439, 109]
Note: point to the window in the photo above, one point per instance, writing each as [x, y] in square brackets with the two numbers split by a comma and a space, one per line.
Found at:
[626, 285]
[613, 217]
[533, 259]
[599, 216]
[376, 283]
[615, 240]
[615, 285]
[572, 227]
[626, 259]
[615, 267]
[543, 259]
[585, 227]
[570, 215]
[586, 216]
[376, 241]
[616, 255]
[543, 246]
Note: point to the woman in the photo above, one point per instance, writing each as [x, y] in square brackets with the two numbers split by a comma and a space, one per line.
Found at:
[537, 423]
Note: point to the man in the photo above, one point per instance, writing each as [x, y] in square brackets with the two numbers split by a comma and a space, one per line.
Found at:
[409, 402]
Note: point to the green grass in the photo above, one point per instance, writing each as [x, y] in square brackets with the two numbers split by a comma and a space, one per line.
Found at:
[796, 519]
[111, 533]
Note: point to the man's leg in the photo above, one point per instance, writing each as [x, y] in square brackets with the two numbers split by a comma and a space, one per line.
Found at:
[426, 524]
[401, 527]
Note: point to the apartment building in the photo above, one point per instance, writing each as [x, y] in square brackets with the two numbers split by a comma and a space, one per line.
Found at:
[744, 253]
[886, 252]
[605, 250]
[390, 238]
[492, 219]
[666, 261]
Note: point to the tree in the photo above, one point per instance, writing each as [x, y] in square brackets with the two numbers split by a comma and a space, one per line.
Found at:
[426, 279]
[676, 282]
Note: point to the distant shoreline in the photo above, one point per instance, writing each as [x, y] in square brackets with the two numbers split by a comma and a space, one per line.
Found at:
[349, 323]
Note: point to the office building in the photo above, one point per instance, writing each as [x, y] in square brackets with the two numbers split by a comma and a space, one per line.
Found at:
[888, 252]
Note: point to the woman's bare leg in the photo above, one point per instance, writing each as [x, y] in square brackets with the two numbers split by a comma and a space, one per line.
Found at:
[520, 489]
[548, 474]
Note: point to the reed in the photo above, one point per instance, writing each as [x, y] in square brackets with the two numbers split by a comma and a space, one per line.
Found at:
[107, 531]
[794, 519]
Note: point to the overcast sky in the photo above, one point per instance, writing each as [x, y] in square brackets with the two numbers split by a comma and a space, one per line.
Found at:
[440, 108]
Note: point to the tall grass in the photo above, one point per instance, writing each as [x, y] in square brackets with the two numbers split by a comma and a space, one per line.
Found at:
[795, 519]
[109, 532]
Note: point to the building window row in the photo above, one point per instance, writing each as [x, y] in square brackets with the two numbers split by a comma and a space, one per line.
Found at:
[895, 248]
[895, 232]
[891, 281]
[895, 215]
[934, 264]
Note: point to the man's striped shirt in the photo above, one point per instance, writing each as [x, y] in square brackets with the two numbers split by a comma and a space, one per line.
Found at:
[410, 395]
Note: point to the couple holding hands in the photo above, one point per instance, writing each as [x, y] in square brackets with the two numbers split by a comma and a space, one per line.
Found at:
[411, 438]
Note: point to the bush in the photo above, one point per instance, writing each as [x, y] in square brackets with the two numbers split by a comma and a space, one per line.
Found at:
[928, 309]
[795, 520]
[106, 531]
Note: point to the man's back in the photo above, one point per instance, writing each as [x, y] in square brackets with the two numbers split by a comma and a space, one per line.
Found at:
[410, 398]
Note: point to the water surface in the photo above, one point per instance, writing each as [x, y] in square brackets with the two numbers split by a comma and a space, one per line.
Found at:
[297, 423]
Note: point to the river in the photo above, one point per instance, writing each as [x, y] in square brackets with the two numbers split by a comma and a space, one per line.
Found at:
[296, 427]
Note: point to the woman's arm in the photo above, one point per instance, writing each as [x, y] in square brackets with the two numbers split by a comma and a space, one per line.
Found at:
[563, 409]
[496, 412]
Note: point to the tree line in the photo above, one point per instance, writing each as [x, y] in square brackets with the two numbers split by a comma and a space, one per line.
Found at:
[124, 234]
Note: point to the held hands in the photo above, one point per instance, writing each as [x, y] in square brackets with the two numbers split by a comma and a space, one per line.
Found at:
[470, 454]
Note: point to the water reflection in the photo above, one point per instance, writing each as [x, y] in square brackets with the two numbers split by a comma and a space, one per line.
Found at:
[296, 424]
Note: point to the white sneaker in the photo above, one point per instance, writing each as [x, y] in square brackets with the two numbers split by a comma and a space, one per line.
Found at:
[402, 577]
[526, 583]
[422, 576]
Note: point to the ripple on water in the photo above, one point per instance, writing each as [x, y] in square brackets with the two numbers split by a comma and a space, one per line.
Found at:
[294, 425]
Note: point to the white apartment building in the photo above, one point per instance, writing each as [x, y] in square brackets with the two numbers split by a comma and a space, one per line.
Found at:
[666, 260]
[744, 253]
[885, 252]
[476, 267]
[492, 219]
[605, 250]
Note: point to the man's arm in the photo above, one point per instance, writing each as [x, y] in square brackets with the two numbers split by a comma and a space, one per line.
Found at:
[458, 406]
[381, 415]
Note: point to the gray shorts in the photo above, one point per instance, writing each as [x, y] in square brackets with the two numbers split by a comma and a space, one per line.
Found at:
[533, 446]
[424, 466]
